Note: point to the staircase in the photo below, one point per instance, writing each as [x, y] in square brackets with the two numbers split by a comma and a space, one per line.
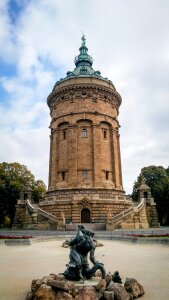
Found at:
[40, 214]
[134, 216]
[130, 213]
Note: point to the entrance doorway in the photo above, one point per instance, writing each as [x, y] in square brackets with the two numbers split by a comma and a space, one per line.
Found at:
[85, 215]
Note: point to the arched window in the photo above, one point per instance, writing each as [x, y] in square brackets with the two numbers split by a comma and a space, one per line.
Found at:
[145, 195]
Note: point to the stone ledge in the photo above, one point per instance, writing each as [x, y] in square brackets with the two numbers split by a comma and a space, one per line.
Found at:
[17, 242]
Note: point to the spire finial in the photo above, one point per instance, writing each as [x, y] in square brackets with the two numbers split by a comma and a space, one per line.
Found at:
[83, 62]
[83, 40]
[83, 59]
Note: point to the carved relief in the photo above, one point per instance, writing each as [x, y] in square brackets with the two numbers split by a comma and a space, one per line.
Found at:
[85, 203]
[79, 92]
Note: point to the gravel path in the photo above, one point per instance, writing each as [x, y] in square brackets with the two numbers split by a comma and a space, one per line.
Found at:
[149, 264]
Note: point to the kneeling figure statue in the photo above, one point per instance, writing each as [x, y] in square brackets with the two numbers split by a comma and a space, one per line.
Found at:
[80, 246]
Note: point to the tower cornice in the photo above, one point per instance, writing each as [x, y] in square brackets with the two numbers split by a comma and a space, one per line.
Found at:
[73, 89]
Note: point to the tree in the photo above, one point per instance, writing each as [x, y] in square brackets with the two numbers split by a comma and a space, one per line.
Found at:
[157, 178]
[13, 178]
[39, 190]
[167, 171]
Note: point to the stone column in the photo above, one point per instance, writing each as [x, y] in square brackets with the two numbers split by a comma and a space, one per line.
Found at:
[50, 161]
[72, 155]
[53, 175]
[115, 157]
[30, 195]
[21, 195]
[97, 172]
[119, 160]
[56, 158]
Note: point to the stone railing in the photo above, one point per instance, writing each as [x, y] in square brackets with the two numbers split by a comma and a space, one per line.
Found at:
[140, 206]
[40, 211]
[30, 207]
[47, 215]
[128, 212]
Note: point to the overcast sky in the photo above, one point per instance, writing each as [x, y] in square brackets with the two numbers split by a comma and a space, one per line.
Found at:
[129, 42]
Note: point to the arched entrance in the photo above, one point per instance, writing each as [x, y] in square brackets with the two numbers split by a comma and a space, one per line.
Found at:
[85, 215]
[145, 195]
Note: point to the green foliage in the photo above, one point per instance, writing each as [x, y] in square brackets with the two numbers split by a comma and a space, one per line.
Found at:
[157, 178]
[167, 171]
[14, 177]
[39, 190]
[7, 221]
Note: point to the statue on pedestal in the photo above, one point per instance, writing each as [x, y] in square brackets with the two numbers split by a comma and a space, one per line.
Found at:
[109, 217]
[62, 218]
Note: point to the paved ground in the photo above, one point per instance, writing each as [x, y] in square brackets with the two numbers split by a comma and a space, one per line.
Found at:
[149, 264]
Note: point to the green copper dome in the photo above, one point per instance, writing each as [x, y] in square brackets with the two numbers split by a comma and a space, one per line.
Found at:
[83, 63]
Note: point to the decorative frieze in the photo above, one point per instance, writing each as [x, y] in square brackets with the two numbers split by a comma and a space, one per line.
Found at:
[93, 93]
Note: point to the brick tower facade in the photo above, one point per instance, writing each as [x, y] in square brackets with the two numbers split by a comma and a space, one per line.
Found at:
[85, 177]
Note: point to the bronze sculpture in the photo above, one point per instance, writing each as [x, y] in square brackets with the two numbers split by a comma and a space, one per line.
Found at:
[80, 246]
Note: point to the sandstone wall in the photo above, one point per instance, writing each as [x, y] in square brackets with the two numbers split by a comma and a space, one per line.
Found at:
[85, 150]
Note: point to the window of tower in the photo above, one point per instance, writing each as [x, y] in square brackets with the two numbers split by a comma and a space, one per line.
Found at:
[64, 134]
[84, 172]
[84, 132]
[107, 175]
[105, 133]
[63, 175]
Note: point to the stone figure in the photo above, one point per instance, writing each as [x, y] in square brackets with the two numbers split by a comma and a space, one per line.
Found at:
[80, 246]
[62, 218]
[83, 40]
[109, 217]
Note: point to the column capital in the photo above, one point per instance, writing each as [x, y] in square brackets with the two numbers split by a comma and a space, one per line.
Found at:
[72, 126]
[96, 125]
[55, 130]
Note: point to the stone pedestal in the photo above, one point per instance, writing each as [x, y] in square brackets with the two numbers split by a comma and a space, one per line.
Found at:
[109, 227]
[152, 213]
[61, 227]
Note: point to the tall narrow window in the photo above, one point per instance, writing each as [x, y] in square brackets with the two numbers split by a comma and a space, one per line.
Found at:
[64, 134]
[105, 133]
[107, 175]
[63, 174]
[84, 132]
[84, 174]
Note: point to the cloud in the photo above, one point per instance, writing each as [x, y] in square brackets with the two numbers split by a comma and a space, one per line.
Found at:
[7, 35]
[129, 43]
